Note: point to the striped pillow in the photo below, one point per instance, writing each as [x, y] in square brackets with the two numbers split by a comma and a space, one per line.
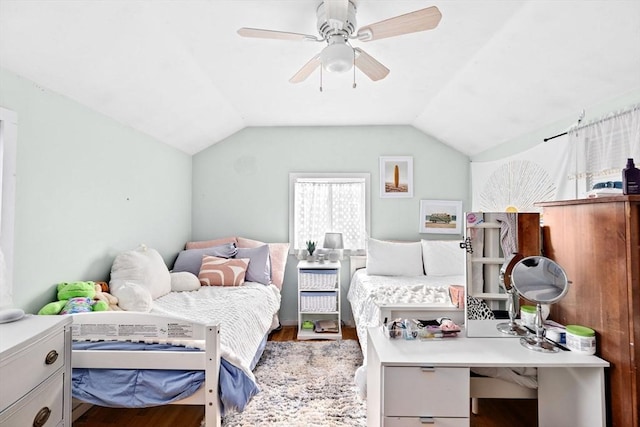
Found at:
[216, 271]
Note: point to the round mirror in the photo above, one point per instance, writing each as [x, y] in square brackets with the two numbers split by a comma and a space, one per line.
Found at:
[511, 327]
[541, 281]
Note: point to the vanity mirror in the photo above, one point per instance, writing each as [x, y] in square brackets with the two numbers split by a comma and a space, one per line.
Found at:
[539, 280]
[511, 327]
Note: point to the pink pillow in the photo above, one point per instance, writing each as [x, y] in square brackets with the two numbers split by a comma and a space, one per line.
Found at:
[222, 271]
[210, 243]
[279, 252]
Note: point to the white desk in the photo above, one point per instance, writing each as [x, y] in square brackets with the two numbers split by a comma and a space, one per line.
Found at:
[405, 379]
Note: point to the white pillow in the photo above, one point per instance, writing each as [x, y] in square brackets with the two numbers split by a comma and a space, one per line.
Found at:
[443, 257]
[133, 297]
[143, 266]
[184, 281]
[394, 258]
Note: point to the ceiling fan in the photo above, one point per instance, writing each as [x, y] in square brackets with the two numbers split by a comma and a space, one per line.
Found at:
[336, 23]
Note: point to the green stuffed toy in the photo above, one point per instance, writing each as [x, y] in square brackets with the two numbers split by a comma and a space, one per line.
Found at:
[75, 297]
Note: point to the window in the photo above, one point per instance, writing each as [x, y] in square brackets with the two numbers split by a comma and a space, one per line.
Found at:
[321, 203]
[8, 139]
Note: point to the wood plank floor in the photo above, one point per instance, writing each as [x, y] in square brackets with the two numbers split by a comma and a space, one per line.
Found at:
[492, 412]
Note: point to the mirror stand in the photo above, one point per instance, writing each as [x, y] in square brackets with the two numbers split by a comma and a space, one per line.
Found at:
[537, 342]
[511, 327]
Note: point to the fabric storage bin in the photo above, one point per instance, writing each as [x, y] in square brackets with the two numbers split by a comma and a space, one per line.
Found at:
[315, 302]
[318, 279]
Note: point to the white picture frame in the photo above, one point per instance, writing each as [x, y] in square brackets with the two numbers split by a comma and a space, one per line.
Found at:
[396, 176]
[441, 216]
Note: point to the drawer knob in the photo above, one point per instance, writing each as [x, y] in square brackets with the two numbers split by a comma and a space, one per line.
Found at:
[51, 358]
[41, 417]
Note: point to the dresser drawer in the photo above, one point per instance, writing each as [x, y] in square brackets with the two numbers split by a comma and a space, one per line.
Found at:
[424, 422]
[28, 367]
[42, 407]
[425, 392]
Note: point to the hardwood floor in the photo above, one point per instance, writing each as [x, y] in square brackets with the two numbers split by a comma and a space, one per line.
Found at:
[492, 412]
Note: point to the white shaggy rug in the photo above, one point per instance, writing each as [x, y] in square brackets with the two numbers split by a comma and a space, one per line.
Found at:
[305, 383]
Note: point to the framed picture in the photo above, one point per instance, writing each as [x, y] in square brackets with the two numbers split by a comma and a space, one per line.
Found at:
[396, 176]
[441, 216]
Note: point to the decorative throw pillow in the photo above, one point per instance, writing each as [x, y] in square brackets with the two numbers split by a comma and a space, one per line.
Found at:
[443, 257]
[222, 272]
[210, 243]
[133, 297]
[191, 259]
[394, 258]
[259, 269]
[143, 266]
[278, 253]
[184, 281]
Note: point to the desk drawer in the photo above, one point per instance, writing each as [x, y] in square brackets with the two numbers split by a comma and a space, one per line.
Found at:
[424, 422]
[413, 391]
[45, 404]
[25, 369]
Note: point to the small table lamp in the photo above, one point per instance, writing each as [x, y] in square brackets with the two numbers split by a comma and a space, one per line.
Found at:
[333, 241]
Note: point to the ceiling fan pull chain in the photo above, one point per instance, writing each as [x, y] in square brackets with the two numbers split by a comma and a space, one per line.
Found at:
[354, 68]
[321, 78]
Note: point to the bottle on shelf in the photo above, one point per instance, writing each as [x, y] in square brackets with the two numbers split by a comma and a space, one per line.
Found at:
[630, 178]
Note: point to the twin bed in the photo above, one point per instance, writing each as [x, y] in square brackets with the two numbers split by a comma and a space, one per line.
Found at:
[193, 345]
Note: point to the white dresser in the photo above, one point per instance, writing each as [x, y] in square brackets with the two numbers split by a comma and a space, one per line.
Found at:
[412, 383]
[35, 367]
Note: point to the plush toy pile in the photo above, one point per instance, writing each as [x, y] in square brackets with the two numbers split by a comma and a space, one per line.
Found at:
[80, 297]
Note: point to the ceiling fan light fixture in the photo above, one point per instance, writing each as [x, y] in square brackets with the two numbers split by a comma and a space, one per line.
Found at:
[337, 57]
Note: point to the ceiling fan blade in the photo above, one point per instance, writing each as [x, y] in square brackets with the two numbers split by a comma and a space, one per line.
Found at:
[271, 34]
[419, 20]
[306, 70]
[368, 65]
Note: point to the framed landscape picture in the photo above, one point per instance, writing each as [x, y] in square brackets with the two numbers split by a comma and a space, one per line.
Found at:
[441, 216]
[396, 176]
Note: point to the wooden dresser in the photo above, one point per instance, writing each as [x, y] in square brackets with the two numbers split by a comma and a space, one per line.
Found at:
[35, 367]
[596, 242]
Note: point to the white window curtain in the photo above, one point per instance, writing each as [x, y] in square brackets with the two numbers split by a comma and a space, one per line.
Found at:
[603, 146]
[330, 205]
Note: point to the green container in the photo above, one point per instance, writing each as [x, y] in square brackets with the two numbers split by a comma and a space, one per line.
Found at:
[581, 331]
[528, 309]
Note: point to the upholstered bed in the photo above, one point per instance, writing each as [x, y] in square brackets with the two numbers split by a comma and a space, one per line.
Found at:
[414, 280]
[195, 344]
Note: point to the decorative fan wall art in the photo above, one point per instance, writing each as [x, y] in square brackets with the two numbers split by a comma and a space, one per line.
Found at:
[515, 187]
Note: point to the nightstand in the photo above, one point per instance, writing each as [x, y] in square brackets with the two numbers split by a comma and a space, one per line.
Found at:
[319, 300]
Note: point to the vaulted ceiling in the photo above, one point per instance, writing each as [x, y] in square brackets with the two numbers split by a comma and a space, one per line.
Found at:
[178, 70]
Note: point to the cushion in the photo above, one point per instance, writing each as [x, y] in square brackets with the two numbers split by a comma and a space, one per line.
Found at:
[278, 253]
[443, 257]
[386, 258]
[142, 266]
[134, 297]
[259, 269]
[210, 243]
[191, 259]
[184, 281]
[222, 271]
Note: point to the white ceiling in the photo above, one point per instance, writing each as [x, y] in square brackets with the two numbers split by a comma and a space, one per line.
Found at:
[178, 71]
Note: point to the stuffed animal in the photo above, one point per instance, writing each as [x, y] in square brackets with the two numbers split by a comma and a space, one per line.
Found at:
[74, 297]
[102, 294]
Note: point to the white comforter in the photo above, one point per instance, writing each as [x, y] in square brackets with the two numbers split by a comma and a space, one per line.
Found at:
[245, 315]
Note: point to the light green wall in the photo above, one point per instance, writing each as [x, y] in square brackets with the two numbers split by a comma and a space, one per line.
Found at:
[241, 185]
[87, 188]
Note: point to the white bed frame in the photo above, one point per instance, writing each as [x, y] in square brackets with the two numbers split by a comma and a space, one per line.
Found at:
[135, 326]
[481, 387]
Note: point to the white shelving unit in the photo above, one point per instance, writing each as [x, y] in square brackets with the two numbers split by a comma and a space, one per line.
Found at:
[318, 298]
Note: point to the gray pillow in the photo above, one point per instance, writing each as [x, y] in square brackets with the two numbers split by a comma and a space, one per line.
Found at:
[259, 269]
[191, 259]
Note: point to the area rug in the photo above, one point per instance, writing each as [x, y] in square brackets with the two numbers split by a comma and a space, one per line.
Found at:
[305, 383]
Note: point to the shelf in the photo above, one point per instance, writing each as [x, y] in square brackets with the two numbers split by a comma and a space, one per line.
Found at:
[489, 260]
[485, 225]
[319, 296]
[304, 334]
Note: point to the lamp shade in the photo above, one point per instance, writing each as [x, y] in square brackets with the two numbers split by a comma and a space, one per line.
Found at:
[337, 57]
[333, 241]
